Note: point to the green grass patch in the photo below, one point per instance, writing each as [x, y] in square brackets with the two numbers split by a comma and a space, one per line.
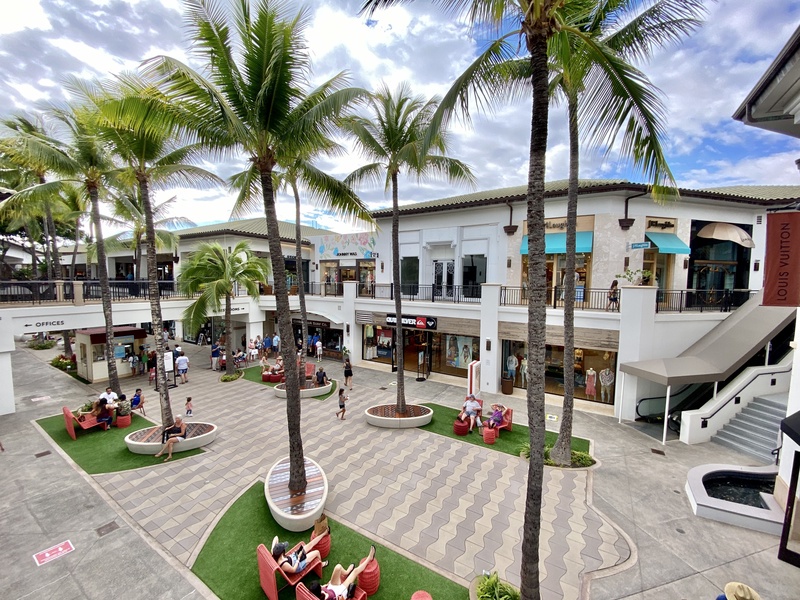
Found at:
[254, 374]
[509, 442]
[97, 451]
[227, 563]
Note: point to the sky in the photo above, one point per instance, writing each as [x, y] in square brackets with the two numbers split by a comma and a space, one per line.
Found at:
[701, 82]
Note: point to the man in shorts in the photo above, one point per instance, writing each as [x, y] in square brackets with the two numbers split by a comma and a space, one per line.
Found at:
[471, 409]
[182, 364]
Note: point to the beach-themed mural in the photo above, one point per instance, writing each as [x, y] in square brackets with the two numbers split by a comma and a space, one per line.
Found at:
[348, 245]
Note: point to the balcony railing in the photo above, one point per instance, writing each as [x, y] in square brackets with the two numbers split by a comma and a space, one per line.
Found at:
[585, 299]
[413, 292]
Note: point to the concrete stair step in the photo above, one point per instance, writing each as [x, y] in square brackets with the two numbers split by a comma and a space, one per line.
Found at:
[745, 439]
[765, 417]
[761, 455]
[749, 431]
[769, 406]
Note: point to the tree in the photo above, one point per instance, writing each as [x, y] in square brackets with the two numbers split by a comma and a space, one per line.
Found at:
[139, 125]
[214, 271]
[77, 155]
[541, 22]
[632, 29]
[129, 211]
[393, 138]
[253, 100]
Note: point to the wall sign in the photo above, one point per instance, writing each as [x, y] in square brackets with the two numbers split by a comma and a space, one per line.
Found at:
[350, 245]
[311, 323]
[415, 322]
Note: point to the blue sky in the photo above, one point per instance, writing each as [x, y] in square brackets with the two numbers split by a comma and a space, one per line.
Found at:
[703, 81]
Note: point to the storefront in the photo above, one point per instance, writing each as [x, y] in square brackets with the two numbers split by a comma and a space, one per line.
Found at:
[593, 365]
[425, 348]
[347, 257]
[331, 335]
[659, 259]
[92, 357]
[555, 240]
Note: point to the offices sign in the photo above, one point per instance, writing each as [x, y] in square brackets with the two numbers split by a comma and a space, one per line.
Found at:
[413, 322]
[781, 275]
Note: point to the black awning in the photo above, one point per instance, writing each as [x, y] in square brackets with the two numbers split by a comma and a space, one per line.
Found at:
[791, 427]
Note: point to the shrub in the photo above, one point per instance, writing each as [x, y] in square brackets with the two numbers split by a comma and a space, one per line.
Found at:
[491, 588]
[43, 345]
[62, 362]
[577, 460]
[232, 377]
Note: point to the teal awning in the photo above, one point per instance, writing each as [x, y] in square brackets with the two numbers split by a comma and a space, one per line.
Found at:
[668, 243]
[556, 243]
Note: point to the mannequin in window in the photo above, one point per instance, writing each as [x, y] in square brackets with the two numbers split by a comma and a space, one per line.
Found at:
[606, 383]
[591, 377]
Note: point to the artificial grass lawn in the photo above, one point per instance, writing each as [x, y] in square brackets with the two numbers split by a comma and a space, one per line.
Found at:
[227, 563]
[97, 451]
[254, 374]
[508, 441]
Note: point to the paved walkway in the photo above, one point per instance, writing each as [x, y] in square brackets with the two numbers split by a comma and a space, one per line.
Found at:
[623, 530]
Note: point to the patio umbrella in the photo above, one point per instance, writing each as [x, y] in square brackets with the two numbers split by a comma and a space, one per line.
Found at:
[727, 231]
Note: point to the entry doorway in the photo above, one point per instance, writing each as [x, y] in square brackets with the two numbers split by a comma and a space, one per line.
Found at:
[443, 278]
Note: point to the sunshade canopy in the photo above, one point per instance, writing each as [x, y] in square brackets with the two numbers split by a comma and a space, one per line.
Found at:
[668, 243]
[727, 232]
[556, 243]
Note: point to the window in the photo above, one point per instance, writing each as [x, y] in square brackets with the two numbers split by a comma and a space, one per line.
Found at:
[409, 274]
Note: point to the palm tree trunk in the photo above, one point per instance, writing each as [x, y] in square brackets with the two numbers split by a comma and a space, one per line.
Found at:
[47, 255]
[34, 257]
[301, 372]
[537, 314]
[155, 301]
[561, 453]
[51, 226]
[398, 308]
[229, 365]
[297, 470]
[75, 249]
[105, 291]
[65, 334]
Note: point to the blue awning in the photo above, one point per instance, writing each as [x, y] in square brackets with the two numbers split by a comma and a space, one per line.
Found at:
[668, 243]
[556, 243]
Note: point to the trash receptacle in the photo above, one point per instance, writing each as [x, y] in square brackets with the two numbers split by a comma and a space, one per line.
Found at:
[507, 385]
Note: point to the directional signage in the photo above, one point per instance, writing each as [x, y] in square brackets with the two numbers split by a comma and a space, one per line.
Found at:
[415, 322]
[640, 246]
[57, 551]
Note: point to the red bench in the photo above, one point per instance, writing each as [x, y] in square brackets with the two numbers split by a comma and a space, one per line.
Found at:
[88, 422]
[302, 593]
[268, 569]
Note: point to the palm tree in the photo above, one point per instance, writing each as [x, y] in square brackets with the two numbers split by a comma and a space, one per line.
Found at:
[129, 211]
[78, 156]
[214, 271]
[393, 138]
[541, 22]
[631, 31]
[333, 196]
[253, 99]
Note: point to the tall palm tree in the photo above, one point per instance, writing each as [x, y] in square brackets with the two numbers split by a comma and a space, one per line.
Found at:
[139, 125]
[252, 99]
[128, 211]
[79, 156]
[214, 271]
[632, 29]
[333, 196]
[393, 138]
[541, 22]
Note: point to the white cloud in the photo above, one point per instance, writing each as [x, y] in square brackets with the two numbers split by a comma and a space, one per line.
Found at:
[19, 15]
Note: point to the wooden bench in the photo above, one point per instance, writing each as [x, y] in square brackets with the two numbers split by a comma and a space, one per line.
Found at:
[295, 511]
[88, 422]
[268, 571]
[148, 440]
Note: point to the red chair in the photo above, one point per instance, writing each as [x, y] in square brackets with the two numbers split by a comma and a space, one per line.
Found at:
[302, 593]
[268, 569]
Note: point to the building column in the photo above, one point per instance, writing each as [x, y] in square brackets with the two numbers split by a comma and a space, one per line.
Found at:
[491, 350]
[636, 342]
[789, 447]
[6, 348]
[178, 330]
[352, 340]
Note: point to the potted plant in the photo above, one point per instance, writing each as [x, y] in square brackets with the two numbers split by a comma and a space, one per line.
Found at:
[636, 277]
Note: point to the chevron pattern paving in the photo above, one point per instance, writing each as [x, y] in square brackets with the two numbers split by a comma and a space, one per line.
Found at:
[454, 506]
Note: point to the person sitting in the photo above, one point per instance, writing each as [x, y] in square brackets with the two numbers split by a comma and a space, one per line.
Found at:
[172, 435]
[498, 416]
[101, 411]
[137, 402]
[738, 591]
[471, 409]
[277, 368]
[322, 377]
[265, 366]
[343, 581]
[296, 561]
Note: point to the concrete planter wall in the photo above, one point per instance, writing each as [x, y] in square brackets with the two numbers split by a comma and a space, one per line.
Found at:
[389, 422]
[197, 441]
[312, 392]
[317, 487]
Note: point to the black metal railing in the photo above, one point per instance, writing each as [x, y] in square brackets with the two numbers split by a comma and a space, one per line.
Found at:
[701, 300]
[585, 298]
[414, 292]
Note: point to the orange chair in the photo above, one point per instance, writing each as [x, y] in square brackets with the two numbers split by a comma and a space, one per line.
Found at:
[268, 569]
[302, 593]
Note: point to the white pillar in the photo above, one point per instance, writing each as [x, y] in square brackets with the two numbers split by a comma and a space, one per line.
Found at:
[353, 339]
[666, 417]
[491, 352]
[178, 330]
[636, 342]
[6, 348]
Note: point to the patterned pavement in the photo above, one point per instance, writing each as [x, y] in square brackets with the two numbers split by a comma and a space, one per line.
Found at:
[454, 506]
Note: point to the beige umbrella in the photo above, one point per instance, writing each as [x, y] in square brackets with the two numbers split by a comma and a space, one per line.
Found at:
[727, 231]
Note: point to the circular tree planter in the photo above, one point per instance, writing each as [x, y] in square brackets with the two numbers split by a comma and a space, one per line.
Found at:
[148, 440]
[309, 392]
[386, 416]
[296, 511]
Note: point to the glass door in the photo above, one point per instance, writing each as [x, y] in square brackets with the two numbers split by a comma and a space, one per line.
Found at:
[443, 276]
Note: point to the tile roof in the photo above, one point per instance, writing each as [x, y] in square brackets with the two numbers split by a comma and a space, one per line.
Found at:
[752, 194]
[255, 227]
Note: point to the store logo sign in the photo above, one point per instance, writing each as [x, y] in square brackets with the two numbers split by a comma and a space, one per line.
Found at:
[415, 322]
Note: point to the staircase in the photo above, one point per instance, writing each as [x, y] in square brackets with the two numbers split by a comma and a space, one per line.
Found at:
[755, 429]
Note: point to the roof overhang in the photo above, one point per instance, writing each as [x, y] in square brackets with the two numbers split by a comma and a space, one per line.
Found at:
[774, 103]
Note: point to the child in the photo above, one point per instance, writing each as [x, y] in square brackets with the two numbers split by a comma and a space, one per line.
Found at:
[189, 406]
[342, 399]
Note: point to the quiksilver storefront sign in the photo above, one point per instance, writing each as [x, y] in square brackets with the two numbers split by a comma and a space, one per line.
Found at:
[415, 322]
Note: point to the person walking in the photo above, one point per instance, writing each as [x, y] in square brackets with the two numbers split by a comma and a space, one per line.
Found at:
[182, 364]
[613, 296]
[189, 406]
[348, 374]
[319, 350]
[215, 356]
[342, 400]
[267, 345]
